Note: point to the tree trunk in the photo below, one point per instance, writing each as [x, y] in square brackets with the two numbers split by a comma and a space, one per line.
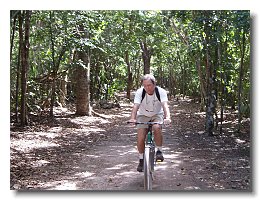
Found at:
[82, 73]
[146, 55]
[209, 114]
[17, 86]
[172, 82]
[12, 38]
[210, 80]
[242, 49]
[54, 70]
[63, 90]
[221, 88]
[24, 42]
[202, 85]
[130, 76]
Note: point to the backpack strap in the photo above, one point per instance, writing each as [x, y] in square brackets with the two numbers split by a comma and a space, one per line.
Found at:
[143, 95]
[156, 92]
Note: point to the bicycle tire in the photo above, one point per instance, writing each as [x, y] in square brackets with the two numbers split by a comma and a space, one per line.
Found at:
[152, 158]
[148, 176]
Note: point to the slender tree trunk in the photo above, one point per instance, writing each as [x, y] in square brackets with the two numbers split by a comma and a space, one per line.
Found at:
[24, 42]
[172, 82]
[221, 88]
[183, 81]
[209, 87]
[209, 105]
[202, 85]
[63, 90]
[17, 86]
[242, 49]
[12, 38]
[54, 70]
[18, 65]
[130, 76]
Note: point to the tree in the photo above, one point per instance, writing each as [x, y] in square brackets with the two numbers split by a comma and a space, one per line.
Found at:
[203, 54]
[24, 34]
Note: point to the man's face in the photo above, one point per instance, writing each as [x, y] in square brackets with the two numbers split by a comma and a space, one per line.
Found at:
[149, 86]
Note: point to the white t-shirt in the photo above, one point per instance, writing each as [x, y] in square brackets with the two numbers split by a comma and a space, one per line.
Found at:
[150, 105]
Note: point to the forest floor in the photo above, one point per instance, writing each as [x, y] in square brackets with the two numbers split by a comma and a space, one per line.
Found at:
[98, 153]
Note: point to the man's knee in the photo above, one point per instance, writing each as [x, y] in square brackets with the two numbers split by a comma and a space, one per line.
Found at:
[157, 128]
[141, 132]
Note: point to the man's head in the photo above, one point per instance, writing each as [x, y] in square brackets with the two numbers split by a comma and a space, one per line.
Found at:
[149, 83]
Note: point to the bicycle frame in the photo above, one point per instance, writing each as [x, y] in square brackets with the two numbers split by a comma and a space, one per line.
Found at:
[149, 155]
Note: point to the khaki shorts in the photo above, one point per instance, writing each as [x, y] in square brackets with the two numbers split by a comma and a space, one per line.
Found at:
[143, 118]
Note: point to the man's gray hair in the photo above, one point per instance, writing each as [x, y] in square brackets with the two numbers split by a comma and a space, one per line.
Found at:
[148, 77]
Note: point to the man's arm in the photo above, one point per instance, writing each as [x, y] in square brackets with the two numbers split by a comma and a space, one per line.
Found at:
[166, 110]
[134, 112]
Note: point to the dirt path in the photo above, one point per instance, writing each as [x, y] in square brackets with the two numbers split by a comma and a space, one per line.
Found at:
[117, 160]
[84, 153]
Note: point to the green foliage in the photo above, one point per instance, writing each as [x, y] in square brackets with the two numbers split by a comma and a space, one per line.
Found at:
[177, 39]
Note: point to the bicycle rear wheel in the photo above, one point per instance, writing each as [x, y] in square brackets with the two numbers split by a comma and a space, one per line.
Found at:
[148, 176]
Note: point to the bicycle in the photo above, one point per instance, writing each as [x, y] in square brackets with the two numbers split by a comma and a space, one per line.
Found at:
[149, 155]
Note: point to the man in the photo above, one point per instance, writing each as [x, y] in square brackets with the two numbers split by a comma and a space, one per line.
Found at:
[150, 104]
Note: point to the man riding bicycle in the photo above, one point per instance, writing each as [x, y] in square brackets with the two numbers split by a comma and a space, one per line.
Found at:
[150, 104]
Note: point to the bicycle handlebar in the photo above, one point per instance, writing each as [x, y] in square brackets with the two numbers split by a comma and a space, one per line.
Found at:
[152, 123]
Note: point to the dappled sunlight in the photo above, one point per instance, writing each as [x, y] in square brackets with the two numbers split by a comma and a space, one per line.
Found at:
[93, 156]
[119, 166]
[161, 166]
[125, 114]
[192, 188]
[127, 174]
[53, 130]
[172, 155]
[84, 174]
[171, 160]
[203, 114]
[124, 150]
[39, 163]
[240, 141]
[88, 120]
[95, 130]
[66, 186]
[96, 153]
[58, 185]
[133, 150]
[29, 144]
[61, 110]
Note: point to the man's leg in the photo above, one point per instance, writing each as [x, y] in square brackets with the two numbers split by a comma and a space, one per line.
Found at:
[158, 137]
[141, 134]
[158, 134]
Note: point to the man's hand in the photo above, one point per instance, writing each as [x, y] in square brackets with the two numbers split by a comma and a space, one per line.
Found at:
[132, 122]
[167, 121]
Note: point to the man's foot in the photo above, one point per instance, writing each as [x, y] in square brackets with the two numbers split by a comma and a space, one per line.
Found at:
[159, 156]
[140, 165]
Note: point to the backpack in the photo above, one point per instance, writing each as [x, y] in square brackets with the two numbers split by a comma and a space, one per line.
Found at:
[156, 92]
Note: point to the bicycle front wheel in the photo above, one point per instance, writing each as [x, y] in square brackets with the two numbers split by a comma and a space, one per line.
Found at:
[148, 176]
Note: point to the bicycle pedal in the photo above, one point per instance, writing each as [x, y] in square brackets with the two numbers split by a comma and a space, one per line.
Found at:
[159, 160]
